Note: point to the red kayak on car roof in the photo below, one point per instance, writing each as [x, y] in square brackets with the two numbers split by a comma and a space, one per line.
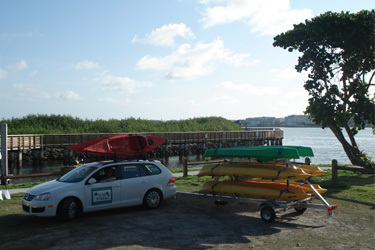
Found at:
[120, 145]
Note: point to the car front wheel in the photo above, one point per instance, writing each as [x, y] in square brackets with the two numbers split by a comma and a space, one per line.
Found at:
[152, 199]
[68, 209]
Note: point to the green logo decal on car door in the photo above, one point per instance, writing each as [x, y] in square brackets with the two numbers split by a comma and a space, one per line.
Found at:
[101, 195]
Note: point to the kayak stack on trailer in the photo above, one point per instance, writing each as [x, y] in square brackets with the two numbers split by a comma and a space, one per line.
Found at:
[264, 173]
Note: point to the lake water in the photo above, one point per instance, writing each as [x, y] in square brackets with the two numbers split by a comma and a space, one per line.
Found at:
[323, 142]
[325, 145]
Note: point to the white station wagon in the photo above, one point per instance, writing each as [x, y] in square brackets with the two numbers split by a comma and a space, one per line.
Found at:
[101, 185]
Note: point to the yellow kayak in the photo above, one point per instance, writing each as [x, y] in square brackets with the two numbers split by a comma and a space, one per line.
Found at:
[299, 185]
[260, 190]
[309, 169]
[313, 170]
[246, 169]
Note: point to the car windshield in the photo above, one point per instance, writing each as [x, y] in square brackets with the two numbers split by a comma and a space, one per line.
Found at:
[80, 173]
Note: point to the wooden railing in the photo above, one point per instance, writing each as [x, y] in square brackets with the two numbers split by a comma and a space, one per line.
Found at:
[22, 142]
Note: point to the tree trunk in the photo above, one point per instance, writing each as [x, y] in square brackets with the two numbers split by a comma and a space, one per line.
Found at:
[353, 153]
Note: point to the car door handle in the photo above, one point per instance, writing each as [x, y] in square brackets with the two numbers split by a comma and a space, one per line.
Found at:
[116, 186]
[144, 181]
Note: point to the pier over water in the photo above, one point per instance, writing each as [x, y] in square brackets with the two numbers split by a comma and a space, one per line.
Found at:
[179, 143]
[256, 136]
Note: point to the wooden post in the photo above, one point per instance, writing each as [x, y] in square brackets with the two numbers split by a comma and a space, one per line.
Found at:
[184, 166]
[307, 161]
[334, 172]
[4, 151]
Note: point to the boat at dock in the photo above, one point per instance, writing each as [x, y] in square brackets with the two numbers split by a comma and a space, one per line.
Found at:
[120, 145]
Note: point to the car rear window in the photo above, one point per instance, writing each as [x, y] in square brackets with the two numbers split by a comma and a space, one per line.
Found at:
[131, 171]
[151, 169]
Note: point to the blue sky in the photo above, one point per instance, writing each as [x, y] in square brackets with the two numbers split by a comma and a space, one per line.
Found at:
[166, 59]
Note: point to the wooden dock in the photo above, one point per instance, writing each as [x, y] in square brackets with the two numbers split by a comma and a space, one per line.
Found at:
[180, 141]
[253, 137]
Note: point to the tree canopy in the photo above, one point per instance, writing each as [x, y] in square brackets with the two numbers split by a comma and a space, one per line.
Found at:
[338, 52]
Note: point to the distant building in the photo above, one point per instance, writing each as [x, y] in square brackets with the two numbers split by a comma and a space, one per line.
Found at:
[265, 121]
[298, 120]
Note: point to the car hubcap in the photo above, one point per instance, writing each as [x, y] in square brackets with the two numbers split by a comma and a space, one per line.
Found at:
[72, 211]
[153, 199]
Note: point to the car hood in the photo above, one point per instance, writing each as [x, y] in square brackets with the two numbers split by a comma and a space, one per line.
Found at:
[49, 186]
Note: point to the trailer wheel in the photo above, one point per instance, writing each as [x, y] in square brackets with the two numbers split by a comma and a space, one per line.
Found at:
[267, 214]
[221, 202]
[300, 210]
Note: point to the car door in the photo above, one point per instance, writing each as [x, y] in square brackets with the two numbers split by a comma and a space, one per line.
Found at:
[103, 194]
[134, 184]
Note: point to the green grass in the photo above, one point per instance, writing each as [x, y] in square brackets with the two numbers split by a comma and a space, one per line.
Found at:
[24, 185]
[179, 170]
[351, 186]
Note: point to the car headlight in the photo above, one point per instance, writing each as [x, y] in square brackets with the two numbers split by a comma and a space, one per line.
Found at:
[43, 197]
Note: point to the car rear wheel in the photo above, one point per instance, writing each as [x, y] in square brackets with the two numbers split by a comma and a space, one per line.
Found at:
[152, 199]
[68, 209]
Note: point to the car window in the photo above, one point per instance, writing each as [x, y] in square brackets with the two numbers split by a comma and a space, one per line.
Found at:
[132, 171]
[151, 169]
[105, 174]
[79, 173]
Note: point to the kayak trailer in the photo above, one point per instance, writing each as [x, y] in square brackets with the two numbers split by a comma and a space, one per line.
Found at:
[269, 207]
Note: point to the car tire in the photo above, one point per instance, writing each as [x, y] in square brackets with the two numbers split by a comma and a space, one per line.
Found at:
[152, 199]
[68, 209]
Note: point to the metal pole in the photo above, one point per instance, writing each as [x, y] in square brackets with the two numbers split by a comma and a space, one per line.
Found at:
[4, 149]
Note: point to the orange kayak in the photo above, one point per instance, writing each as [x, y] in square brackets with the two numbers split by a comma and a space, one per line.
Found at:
[283, 184]
[260, 190]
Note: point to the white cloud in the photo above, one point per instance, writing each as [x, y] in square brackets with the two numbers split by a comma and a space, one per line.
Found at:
[165, 35]
[21, 65]
[86, 65]
[34, 92]
[6, 36]
[32, 74]
[252, 90]
[188, 63]
[124, 84]
[268, 17]
[3, 74]
[31, 91]
[68, 95]
[116, 101]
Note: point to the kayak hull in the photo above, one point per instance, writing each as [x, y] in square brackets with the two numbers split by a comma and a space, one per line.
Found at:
[250, 170]
[261, 153]
[259, 190]
[121, 145]
[283, 184]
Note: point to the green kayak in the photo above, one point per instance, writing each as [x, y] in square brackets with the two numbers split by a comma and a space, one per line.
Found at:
[302, 151]
[261, 153]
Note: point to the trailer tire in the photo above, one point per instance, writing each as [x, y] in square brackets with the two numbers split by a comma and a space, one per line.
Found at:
[267, 214]
[300, 210]
[221, 202]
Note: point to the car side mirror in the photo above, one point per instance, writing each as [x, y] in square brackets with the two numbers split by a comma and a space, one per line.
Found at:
[91, 181]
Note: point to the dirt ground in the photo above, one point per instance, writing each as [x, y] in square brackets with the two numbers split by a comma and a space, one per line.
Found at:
[197, 223]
